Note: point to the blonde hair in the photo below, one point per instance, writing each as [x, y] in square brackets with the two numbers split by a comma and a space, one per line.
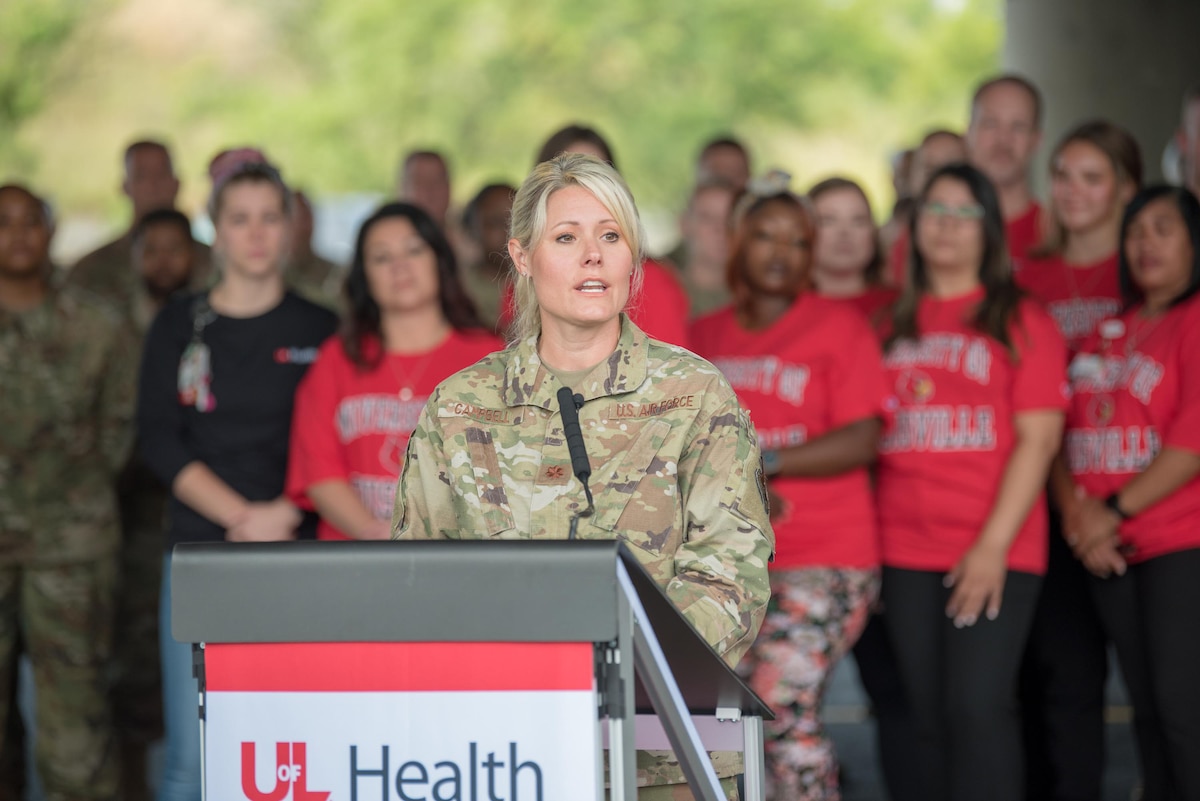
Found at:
[529, 222]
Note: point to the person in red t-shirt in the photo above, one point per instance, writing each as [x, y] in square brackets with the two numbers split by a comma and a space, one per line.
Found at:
[1131, 498]
[848, 266]
[1002, 138]
[847, 260]
[410, 324]
[1022, 233]
[808, 369]
[939, 148]
[1094, 170]
[978, 382]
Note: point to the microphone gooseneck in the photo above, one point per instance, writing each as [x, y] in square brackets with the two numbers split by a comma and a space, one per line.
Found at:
[568, 407]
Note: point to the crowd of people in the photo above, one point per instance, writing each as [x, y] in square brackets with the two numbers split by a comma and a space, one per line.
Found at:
[976, 434]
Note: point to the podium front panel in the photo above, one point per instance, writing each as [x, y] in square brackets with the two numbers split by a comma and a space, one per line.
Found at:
[443, 590]
[330, 721]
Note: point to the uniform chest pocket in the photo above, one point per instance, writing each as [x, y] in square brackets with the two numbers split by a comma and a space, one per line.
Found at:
[637, 494]
[477, 480]
[56, 410]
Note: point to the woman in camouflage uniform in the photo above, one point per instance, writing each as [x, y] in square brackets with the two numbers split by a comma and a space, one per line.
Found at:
[676, 463]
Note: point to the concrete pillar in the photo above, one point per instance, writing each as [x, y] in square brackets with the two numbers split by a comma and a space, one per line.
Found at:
[1126, 60]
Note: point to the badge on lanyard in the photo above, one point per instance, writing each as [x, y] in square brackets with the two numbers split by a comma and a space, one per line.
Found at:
[1112, 329]
[195, 366]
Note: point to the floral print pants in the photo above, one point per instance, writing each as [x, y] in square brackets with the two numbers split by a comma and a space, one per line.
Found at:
[814, 617]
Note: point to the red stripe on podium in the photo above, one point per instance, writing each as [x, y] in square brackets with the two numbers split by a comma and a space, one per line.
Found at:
[397, 667]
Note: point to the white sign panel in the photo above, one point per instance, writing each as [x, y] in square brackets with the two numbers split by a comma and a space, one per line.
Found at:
[400, 722]
[420, 746]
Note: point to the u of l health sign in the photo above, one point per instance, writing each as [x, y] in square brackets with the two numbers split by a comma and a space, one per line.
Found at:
[400, 722]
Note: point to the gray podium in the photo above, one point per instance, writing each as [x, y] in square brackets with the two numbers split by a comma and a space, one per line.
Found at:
[659, 683]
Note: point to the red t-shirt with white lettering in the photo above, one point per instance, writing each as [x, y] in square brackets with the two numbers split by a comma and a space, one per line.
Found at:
[353, 424]
[1137, 389]
[815, 369]
[1078, 297]
[954, 393]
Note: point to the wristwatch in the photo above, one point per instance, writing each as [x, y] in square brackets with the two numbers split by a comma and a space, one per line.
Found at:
[770, 462]
[1114, 503]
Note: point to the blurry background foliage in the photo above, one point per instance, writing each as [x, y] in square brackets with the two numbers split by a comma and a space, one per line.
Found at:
[337, 90]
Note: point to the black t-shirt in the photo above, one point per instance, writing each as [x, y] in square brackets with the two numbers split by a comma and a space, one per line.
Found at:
[256, 363]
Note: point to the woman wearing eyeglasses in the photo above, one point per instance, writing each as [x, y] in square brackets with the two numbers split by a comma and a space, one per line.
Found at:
[977, 377]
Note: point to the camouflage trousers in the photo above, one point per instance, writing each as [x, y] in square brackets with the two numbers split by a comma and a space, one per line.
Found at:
[62, 614]
[814, 617]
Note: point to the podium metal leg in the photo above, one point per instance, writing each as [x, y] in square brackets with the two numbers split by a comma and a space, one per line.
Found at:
[622, 755]
[198, 673]
[752, 758]
[668, 702]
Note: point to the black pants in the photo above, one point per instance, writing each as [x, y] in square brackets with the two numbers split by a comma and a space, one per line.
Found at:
[961, 685]
[880, 677]
[1151, 615]
[1062, 684]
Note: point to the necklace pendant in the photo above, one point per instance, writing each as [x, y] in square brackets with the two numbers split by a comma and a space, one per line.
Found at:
[406, 393]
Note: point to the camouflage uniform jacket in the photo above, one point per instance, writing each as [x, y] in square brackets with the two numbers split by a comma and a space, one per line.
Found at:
[68, 369]
[316, 279]
[675, 474]
[108, 271]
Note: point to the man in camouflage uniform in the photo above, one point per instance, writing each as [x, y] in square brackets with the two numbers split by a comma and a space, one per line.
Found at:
[65, 429]
[150, 183]
[307, 274]
[675, 475]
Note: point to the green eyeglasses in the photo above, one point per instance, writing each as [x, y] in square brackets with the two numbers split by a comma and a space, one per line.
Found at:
[972, 212]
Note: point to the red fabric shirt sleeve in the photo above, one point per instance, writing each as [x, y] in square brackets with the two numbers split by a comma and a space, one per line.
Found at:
[1040, 374]
[1184, 431]
[316, 453]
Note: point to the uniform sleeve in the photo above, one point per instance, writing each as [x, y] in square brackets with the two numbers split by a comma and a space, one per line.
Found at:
[1040, 374]
[118, 398]
[858, 389]
[89, 272]
[424, 501]
[1183, 431]
[315, 452]
[160, 420]
[720, 582]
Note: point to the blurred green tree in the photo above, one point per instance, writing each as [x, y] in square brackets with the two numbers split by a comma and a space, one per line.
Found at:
[336, 91]
[32, 62]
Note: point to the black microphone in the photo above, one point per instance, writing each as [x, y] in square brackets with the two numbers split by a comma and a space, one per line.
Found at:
[568, 407]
